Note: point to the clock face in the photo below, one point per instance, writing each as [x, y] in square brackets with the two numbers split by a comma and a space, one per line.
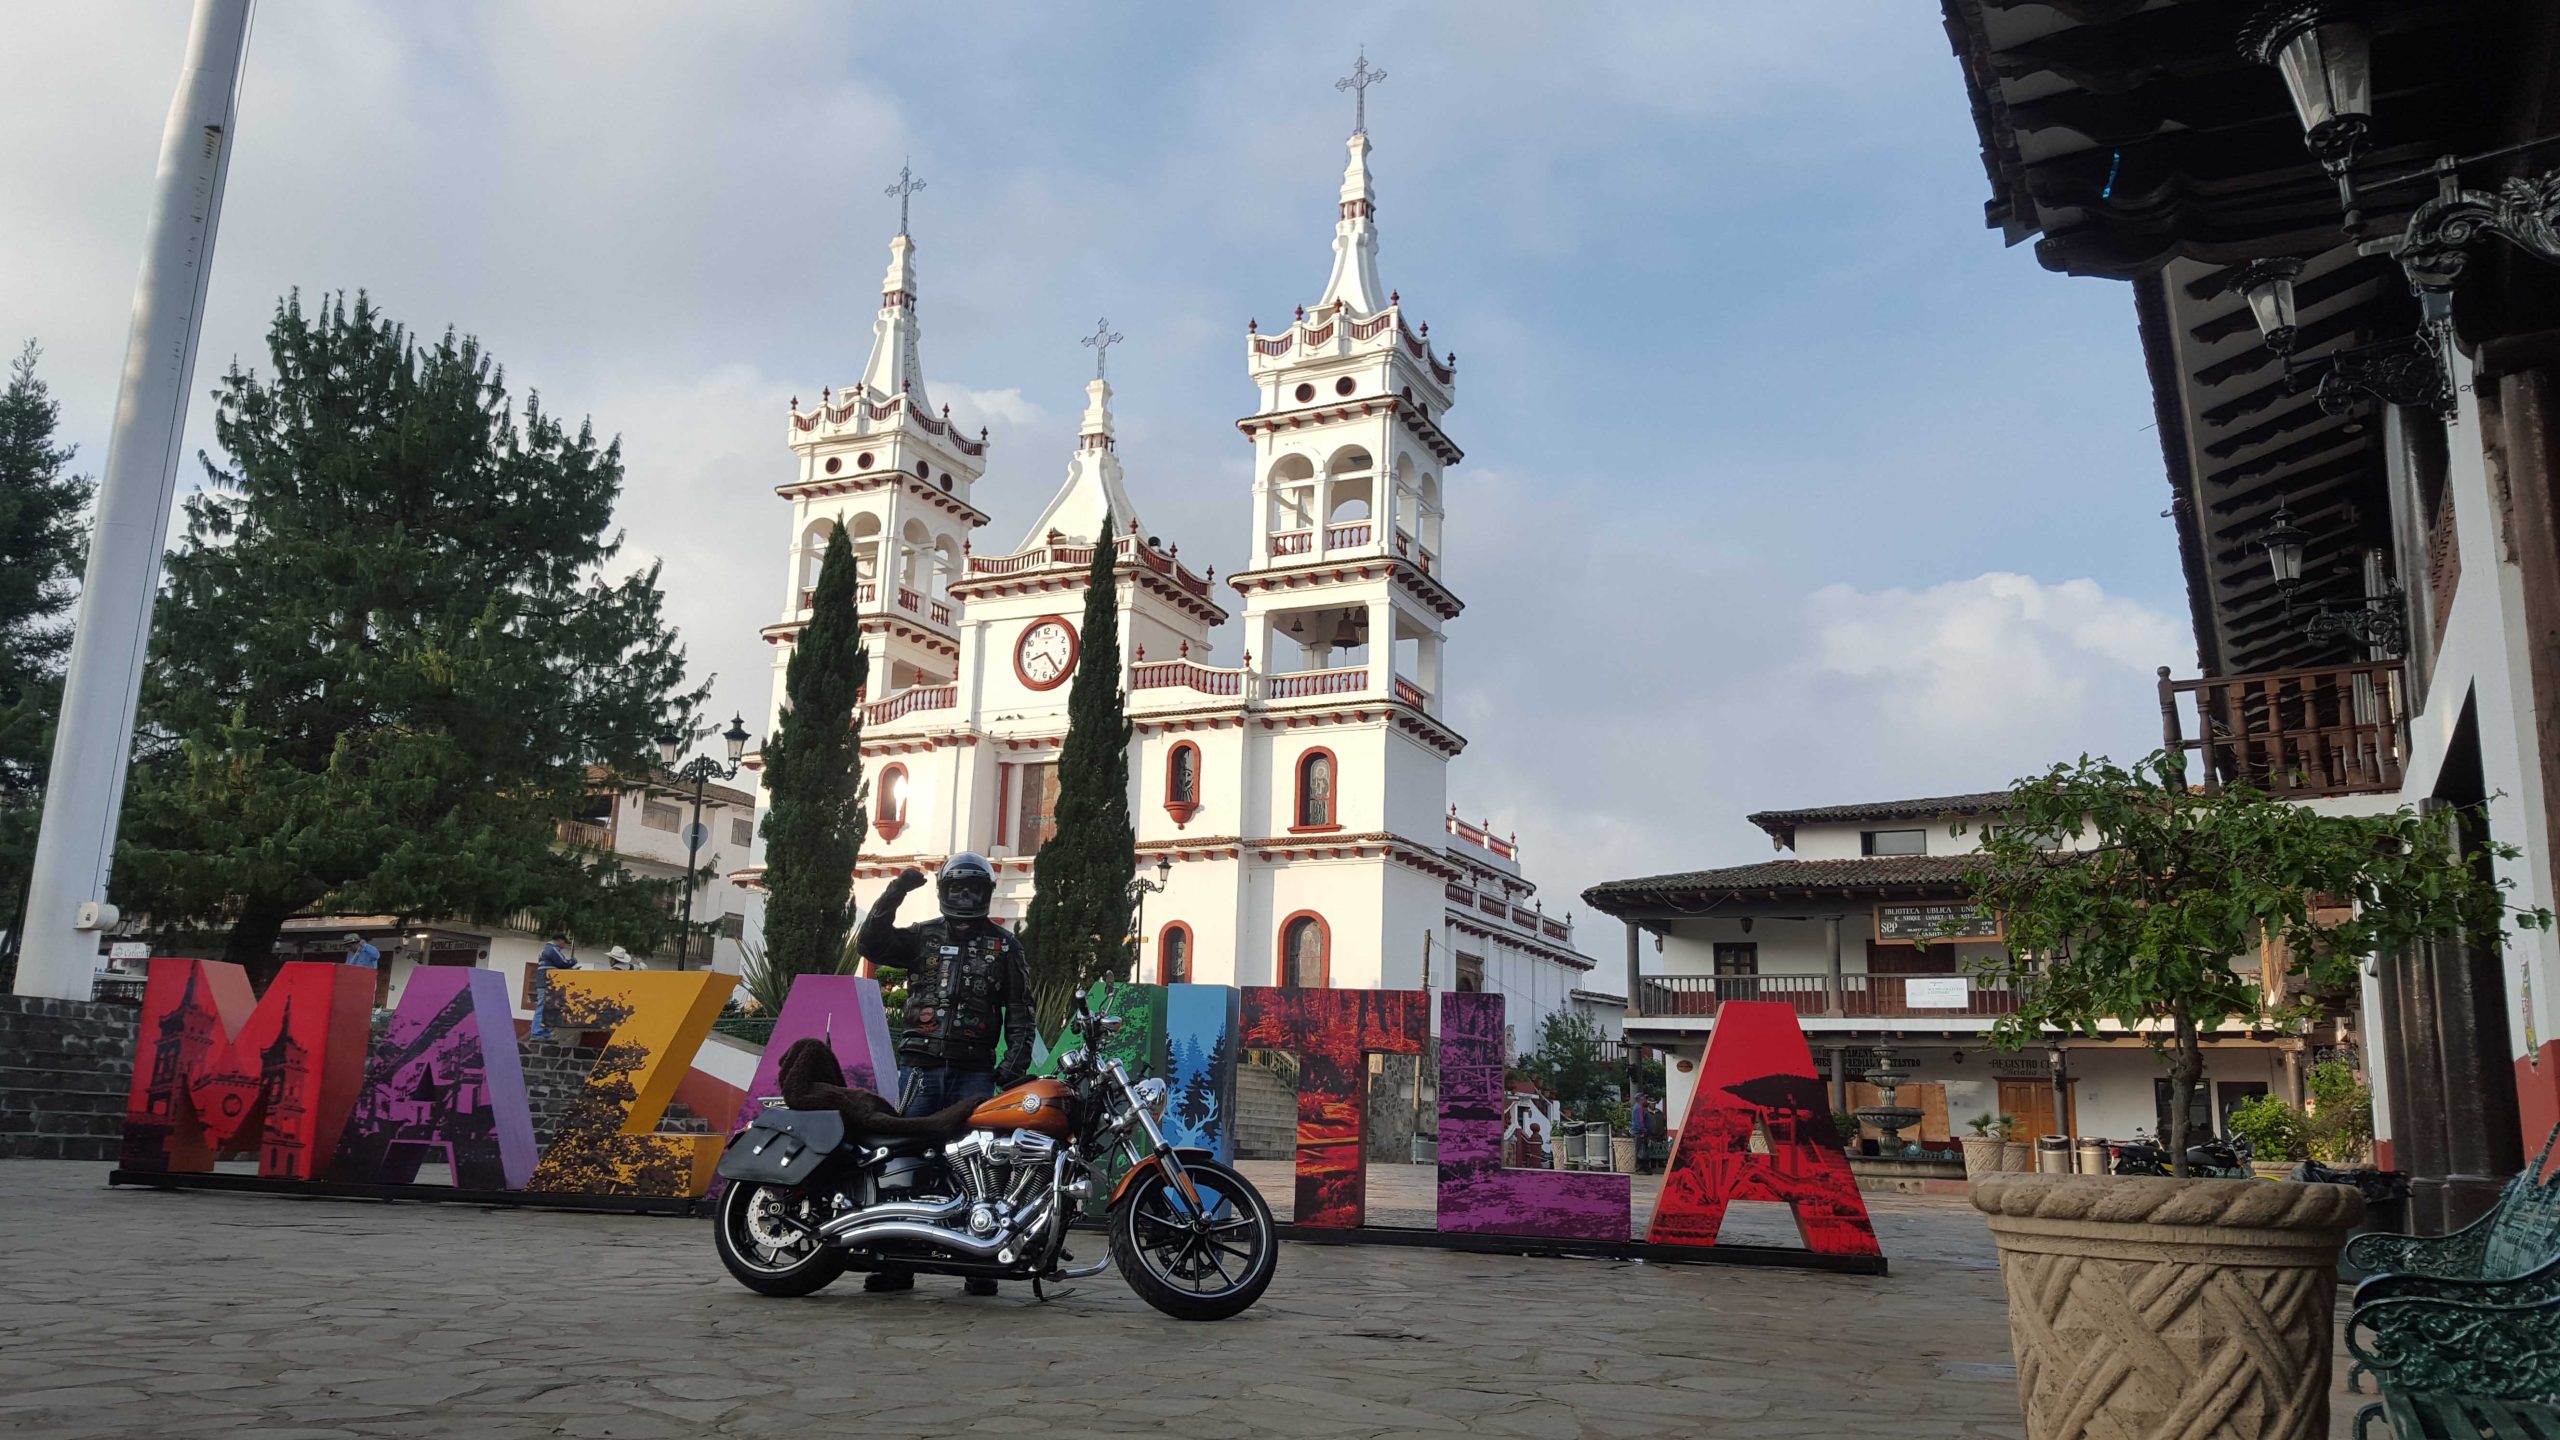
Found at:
[1046, 654]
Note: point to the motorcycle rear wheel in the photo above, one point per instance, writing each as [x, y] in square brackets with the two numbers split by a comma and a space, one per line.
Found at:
[1196, 1268]
[802, 1267]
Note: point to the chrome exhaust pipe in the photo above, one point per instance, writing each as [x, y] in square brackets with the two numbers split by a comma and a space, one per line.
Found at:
[980, 1247]
[928, 1212]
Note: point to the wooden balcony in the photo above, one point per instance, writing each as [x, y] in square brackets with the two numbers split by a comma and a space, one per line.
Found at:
[1862, 995]
[2338, 730]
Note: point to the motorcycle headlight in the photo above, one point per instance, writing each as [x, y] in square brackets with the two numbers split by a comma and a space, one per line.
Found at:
[1151, 1096]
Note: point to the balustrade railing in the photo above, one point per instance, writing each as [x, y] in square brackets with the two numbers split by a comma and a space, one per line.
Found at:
[941, 612]
[1293, 542]
[1862, 995]
[1347, 535]
[1483, 838]
[1412, 694]
[2335, 730]
[1185, 674]
[909, 701]
[1301, 684]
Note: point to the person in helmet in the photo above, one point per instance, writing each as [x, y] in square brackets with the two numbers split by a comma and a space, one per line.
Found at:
[968, 986]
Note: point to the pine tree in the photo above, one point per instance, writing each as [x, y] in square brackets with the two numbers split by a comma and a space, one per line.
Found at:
[1080, 906]
[813, 780]
[41, 541]
[388, 664]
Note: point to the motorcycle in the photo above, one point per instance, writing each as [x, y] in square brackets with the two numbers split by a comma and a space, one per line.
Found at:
[2211, 1159]
[805, 1202]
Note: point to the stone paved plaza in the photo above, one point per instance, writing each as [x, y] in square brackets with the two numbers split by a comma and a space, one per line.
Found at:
[138, 1313]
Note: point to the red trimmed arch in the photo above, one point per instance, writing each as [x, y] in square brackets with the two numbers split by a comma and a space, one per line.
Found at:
[1177, 804]
[1323, 938]
[1304, 816]
[895, 793]
[1171, 970]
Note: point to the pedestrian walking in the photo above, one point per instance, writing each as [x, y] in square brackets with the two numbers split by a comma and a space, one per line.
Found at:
[361, 954]
[554, 958]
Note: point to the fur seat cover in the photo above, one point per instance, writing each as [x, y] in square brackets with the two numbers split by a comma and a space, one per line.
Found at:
[810, 1079]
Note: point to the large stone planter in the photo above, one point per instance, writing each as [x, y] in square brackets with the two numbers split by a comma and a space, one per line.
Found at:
[1981, 1155]
[2142, 1307]
[1622, 1154]
[2018, 1156]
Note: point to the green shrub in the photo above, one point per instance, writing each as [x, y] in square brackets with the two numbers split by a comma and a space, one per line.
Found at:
[2273, 1129]
[2340, 1125]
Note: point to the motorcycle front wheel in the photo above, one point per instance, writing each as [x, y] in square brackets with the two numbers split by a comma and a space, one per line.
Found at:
[1203, 1263]
[762, 1251]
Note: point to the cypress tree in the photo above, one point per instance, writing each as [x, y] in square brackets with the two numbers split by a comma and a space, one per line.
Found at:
[41, 538]
[813, 780]
[1080, 905]
[389, 663]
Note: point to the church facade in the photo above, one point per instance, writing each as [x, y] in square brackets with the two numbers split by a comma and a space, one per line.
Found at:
[1290, 786]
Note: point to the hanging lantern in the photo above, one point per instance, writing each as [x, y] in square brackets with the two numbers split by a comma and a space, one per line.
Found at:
[2268, 287]
[2282, 540]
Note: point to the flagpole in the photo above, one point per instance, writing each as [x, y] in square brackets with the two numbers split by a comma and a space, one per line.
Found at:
[93, 734]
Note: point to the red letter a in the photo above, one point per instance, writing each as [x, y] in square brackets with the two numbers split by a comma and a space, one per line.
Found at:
[1758, 1076]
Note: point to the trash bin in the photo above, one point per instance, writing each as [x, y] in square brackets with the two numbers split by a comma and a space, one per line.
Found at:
[2093, 1157]
[2053, 1155]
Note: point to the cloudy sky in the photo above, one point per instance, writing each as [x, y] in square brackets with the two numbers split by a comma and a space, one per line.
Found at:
[1786, 483]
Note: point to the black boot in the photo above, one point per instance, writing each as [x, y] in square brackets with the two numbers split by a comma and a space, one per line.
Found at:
[978, 1285]
[883, 1282]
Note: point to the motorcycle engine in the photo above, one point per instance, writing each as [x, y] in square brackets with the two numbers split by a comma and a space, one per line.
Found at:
[999, 1173]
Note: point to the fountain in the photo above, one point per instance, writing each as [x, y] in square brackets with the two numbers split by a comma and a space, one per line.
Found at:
[1888, 1077]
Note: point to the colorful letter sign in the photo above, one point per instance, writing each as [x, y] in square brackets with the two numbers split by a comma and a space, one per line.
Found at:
[1477, 1194]
[1200, 1067]
[446, 1081]
[607, 1143]
[220, 1070]
[1333, 1033]
[844, 1011]
[1758, 1077]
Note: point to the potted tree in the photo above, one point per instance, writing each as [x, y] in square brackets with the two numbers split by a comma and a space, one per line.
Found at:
[2017, 1153]
[2125, 897]
[1982, 1148]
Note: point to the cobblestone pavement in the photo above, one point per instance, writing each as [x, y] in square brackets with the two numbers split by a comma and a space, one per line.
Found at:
[137, 1313]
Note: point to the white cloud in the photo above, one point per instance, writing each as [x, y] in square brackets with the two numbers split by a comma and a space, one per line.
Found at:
[1996, 655]
[987, 407]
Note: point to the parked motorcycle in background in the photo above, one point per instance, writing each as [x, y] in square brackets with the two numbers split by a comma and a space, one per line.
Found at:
[805, 1202]
[2210, 1159]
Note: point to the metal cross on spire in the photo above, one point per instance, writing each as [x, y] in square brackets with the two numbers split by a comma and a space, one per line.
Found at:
[1102, 339]
[1358, 83]
[907, 185]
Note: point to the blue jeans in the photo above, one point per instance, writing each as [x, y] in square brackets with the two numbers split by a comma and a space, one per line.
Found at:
[922, 1091]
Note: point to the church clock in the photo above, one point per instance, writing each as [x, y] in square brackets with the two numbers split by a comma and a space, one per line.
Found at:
[1046, 654]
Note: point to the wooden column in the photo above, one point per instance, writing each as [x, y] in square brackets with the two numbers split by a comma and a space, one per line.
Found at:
[1831, 984]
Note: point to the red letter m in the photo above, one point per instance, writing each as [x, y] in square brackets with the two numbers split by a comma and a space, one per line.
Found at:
[209, 1066]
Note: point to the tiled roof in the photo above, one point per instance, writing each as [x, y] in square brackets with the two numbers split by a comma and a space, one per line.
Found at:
[1781, 824]
[1870, 875]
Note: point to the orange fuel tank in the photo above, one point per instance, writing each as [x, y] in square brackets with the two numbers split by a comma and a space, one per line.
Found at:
[1033, 1105]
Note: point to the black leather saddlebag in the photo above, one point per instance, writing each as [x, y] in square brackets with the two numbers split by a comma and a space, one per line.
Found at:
[782, 1147]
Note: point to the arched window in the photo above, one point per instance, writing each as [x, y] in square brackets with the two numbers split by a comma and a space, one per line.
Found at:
[1173, 954]
[1182, 782]
[1315, 808]
[1306, 952]
[890, 802]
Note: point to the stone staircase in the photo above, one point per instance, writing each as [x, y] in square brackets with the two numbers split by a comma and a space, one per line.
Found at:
[64, 1069]
[1266, 1115]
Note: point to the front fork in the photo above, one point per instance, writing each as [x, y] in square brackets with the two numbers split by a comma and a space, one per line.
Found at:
[1155, 1147]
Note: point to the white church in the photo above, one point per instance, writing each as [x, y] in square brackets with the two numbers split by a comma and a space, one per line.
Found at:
[1290, 787]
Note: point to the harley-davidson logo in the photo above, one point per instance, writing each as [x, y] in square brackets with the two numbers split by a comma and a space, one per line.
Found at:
[1030, 1104]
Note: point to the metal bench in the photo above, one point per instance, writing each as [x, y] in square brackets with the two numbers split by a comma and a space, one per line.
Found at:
[2461, 1332]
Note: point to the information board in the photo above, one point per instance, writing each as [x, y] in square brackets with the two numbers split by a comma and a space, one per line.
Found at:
[1960, 920]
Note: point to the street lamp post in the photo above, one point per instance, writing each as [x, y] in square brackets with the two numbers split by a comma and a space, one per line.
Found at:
[700, 771]
[1139, 889]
